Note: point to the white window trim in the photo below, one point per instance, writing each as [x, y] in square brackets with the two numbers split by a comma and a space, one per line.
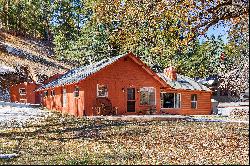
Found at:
[66, 99]
[194, 101]
[155, 95]
[97, 90]
[22, 94]
[174, 101]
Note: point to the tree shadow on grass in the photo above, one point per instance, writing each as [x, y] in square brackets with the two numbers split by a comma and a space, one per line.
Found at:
[91, 130]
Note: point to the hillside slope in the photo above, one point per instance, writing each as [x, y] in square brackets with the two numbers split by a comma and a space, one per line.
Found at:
[23, 59]
[34, 55]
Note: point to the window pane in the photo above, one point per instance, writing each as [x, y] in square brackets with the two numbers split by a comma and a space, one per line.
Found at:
[147, 96]
[194, 101]
[152, 97]
[193, 104]
[102, 91]
[177, 100]
[194, 97]
[168, 100]
[131, 93]
[22, 91]
[144, 98]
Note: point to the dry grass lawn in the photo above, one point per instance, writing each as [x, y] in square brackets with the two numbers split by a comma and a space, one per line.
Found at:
[69, 140]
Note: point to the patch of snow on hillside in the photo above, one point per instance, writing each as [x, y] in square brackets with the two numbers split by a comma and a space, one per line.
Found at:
[6, 69]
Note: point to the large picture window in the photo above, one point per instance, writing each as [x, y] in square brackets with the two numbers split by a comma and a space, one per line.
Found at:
[147, 96]
[102, 90]
[170, 100]
[194, 101]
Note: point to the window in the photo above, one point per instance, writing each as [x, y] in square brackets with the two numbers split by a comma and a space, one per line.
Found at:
[52, 92]
[147, 96]
[76, 92]
[170, 100]
[22, 91]
[102, 90]
[131, 93]
[194, 101]
[45, 94]
[64, 97]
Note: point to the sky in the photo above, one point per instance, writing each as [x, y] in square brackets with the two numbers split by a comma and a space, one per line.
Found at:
[216, 31]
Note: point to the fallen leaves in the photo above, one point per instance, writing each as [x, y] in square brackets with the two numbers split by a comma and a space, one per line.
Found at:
[68, 140]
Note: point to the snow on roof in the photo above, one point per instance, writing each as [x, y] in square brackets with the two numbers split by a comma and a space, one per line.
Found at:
[183, 82]
[6, 69]
[80, 73]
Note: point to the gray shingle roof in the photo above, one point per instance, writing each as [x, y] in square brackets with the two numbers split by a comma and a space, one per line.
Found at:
[80, 73]
[183, 82]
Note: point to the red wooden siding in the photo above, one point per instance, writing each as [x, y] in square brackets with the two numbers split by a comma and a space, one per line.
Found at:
[119, 75]
[29, 97]
[122, 74]
[203, 103]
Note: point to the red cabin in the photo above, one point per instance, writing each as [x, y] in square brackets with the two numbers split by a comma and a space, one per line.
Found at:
[124, 85]
[24, 93]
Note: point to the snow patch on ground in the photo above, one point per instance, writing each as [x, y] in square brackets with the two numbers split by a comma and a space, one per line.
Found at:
[216, 120]
[16, 116]
[225, 109]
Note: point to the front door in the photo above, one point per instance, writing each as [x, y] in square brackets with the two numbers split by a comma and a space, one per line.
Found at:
[131, 100]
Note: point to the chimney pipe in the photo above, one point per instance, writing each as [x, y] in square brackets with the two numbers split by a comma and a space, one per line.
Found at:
[170, 72]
